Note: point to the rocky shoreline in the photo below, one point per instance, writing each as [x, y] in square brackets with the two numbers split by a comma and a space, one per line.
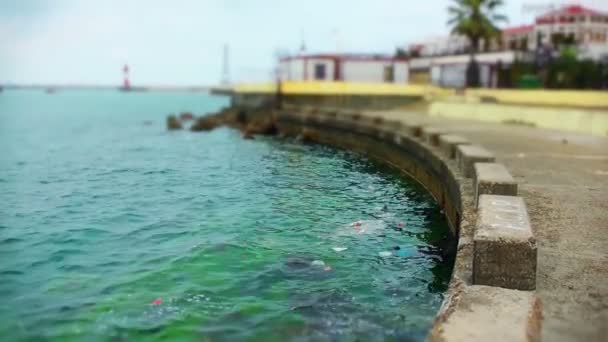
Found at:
[248, 122]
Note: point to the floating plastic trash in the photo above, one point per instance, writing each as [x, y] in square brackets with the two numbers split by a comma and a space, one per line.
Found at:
[401, 224]
[339, 249]
[385, 254]
[327, 268]
[318, 263]
[157, 301]
[362, 227]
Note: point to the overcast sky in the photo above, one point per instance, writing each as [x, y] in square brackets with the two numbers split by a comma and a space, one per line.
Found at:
[181, 41]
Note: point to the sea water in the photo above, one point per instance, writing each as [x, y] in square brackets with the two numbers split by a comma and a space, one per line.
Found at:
[113, 228]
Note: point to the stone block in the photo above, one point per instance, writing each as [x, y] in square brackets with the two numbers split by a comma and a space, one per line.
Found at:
[393, 124]
[485, 313]
[366, 125]
[351, 114]
[431, 134]
[468, 155]
[386, 133]
[504, 252]
[413, 129]
[493, 179]
[449, 142]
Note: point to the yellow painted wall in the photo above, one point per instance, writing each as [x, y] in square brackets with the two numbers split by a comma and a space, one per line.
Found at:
[343, 88]
[578, 120]
[572, 98]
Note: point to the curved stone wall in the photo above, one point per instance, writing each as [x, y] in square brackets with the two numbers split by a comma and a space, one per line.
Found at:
[494, 270]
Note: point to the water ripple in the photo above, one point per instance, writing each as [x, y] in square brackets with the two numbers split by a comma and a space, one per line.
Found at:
[234, 237]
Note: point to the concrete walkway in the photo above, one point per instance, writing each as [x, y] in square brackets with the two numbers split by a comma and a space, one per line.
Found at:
[563, 178]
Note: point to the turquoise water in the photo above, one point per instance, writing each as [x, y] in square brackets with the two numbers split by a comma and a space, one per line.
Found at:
[112, 228]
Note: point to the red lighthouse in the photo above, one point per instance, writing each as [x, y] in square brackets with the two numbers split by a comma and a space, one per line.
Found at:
[126, 84]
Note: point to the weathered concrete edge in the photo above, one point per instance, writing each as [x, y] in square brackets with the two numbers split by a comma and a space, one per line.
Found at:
[428, 166]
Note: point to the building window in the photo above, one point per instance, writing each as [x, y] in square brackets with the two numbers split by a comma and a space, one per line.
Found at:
[320, 71]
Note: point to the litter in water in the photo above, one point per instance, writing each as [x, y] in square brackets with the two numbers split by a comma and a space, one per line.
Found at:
[157, 301]
[385, 254]
[339, 249]
[318, 263]
[362, 227]
[327, 268]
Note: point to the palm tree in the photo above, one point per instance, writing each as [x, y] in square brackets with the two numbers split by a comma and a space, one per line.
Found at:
[475, 19]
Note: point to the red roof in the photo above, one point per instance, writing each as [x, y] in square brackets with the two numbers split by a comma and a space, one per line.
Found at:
[572, 10]
[518, 29]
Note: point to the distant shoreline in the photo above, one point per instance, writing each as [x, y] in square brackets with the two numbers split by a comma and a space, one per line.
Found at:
[45, 87]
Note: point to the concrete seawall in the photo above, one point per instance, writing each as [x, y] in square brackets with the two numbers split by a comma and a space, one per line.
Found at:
[488, 297]
[560, 174]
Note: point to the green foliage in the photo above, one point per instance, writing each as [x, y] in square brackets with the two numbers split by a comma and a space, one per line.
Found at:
[476, 19]
[401, 53]
[565, 72]
[529, 81]
[568, 73]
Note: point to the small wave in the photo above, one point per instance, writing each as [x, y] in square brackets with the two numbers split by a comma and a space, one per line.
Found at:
[158, 172]
[10, 241]
[115, 171]
[11, 272]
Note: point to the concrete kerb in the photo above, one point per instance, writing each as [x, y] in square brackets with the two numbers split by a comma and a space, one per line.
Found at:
[413, 128]
[449, 142]
[505, 248]
[430, 134]
[457, 197]
[486, 313]
[468, 155]
[493, 179]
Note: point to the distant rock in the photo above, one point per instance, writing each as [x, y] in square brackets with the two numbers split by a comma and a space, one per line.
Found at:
[206, 123]
[173, 123]
[264, 126]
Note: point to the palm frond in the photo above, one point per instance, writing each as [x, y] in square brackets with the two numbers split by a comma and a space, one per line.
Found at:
[475, 19]
[492, 4]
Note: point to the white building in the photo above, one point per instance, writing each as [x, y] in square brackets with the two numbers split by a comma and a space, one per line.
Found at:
[441, 45]
[583, 24]
[586, 28]
[344, 67]
[519, 38]
[443, 62]
[450, 71]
